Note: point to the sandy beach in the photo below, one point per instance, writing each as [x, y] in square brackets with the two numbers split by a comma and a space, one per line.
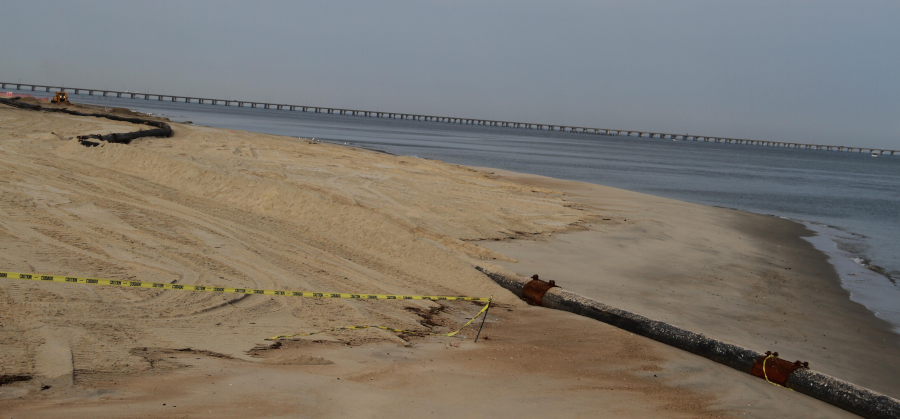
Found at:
[745, 278]
[219, 207]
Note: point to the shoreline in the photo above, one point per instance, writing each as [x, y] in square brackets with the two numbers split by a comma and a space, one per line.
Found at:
[787, 293]
[239, 208]
[895, 320]
[874, 292]
[864, 274]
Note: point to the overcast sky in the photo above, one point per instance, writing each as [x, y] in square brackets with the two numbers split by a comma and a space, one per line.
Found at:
[814, 71]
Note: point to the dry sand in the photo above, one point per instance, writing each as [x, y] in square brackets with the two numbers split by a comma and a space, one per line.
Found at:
[213, 206]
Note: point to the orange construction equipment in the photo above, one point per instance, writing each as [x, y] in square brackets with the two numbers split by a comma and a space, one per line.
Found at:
[60, 97]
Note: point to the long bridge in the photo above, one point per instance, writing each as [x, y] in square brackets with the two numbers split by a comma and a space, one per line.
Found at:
[452, 120]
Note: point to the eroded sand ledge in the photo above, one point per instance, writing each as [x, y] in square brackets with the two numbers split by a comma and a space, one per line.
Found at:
[213, 206]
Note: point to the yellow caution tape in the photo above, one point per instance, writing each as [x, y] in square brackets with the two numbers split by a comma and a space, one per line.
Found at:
[208, 288]
[227, 290]
[483, 309]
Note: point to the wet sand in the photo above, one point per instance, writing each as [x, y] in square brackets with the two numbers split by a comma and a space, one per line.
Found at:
[212, 206]
[744, 278]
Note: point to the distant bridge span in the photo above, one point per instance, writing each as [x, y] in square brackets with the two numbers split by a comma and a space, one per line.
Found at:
[453, 120]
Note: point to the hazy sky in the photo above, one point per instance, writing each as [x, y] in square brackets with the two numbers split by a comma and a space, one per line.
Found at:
[813, 71]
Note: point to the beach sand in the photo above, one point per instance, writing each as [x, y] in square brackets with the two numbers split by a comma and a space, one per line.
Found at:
[220, 207]
[744, 278]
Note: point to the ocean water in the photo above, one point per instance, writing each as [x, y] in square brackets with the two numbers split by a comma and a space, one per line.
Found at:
[851, 200]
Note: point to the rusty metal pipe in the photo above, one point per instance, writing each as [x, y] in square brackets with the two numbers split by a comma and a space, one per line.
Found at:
[796, 376]
[534, 290]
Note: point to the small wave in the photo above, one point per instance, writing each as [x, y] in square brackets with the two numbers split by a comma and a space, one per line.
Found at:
[841, 229]
[864, 280]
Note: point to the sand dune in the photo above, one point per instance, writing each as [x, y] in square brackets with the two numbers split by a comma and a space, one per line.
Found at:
[215, 207]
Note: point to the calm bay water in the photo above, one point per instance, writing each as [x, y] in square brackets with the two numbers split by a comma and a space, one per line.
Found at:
[851, 200]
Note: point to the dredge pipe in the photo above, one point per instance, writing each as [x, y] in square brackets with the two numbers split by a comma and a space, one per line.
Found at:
[847, 396]
[162, 129]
